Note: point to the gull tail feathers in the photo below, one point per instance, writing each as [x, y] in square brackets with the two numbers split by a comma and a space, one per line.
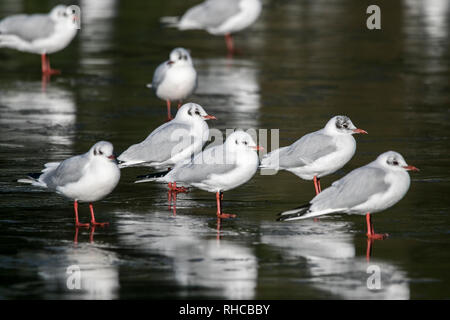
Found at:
[171, 22]
[156, 176]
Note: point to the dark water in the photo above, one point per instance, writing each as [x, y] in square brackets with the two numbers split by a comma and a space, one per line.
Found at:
[301, 63]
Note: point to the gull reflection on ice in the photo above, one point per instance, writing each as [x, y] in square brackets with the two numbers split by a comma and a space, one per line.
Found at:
[30, 114]
[96, 36]
[99, 275]
[223, 269]
[231, 90]
[332, 263]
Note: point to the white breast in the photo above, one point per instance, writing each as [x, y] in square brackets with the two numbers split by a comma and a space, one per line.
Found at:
[178, 83]
[99, 179]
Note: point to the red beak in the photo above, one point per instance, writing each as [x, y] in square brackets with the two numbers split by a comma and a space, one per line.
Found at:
[112, 157]
[360, 131]
[209, 117]
[257, 148]
[411, 168]
[169, 62]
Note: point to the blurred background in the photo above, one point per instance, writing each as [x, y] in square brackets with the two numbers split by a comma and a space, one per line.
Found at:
[301, 63]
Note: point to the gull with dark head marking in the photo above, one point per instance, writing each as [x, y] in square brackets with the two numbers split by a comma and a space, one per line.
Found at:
[172, 142]
[317, 154]
[217, 169]
[40, 33]
[175, 79]
[87, 178]
[366, 190]
[220, 17]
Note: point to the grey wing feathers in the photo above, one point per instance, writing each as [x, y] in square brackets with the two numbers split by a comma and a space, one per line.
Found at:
[209, 162]
[306, 150]
[160, 144]
[69, 171]
[212, 13]
[159, 74]
[27, 27]
[352, 190]
[195, 173]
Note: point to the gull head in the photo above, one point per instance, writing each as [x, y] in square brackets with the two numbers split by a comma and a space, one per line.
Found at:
[343, 125]
[192, 111]
[180, 57]
[394, 161]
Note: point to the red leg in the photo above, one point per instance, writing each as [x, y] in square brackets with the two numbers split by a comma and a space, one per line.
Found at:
[316, 186]
[91, 234]
[169, 114]
[93, 222]
[218, 229]
[220, 214]
[369, 249]
[77, 222]
[46, 69]
[173, 188]
[370, 231]
[230, 44]
[44, 63]
[75, 238]
[172, 197]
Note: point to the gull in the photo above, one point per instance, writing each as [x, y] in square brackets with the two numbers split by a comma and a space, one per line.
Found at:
[217, 169]
[86, 178]
[366, 190]
[317, 154]
[175, 79]
[40, 33]
[172, 142]
[220, 17]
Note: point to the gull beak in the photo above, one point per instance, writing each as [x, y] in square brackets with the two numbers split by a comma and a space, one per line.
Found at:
[169, 62]
[360, 131]
[113, 158]
[410, 168]
[209, 117]
[257, 148]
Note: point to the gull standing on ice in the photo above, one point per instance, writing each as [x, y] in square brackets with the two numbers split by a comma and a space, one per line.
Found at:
[221, 17]
[366, 190]
[317, 154]
[40, 33]
[87, 178]
[175, 79]
[172, 142]
[217, 169]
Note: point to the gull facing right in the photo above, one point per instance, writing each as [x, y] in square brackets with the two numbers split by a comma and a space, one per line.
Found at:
[317, 154]
[88, 177]
[40, 33]
[217, 169]
[366, 190]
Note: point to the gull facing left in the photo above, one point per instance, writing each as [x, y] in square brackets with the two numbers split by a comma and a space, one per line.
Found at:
[87, 178]
[366, 190]
[40, 33]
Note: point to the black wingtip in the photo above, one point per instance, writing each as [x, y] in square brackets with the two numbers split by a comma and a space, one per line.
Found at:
[300, 212]
[34, 175]
[153, 175]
